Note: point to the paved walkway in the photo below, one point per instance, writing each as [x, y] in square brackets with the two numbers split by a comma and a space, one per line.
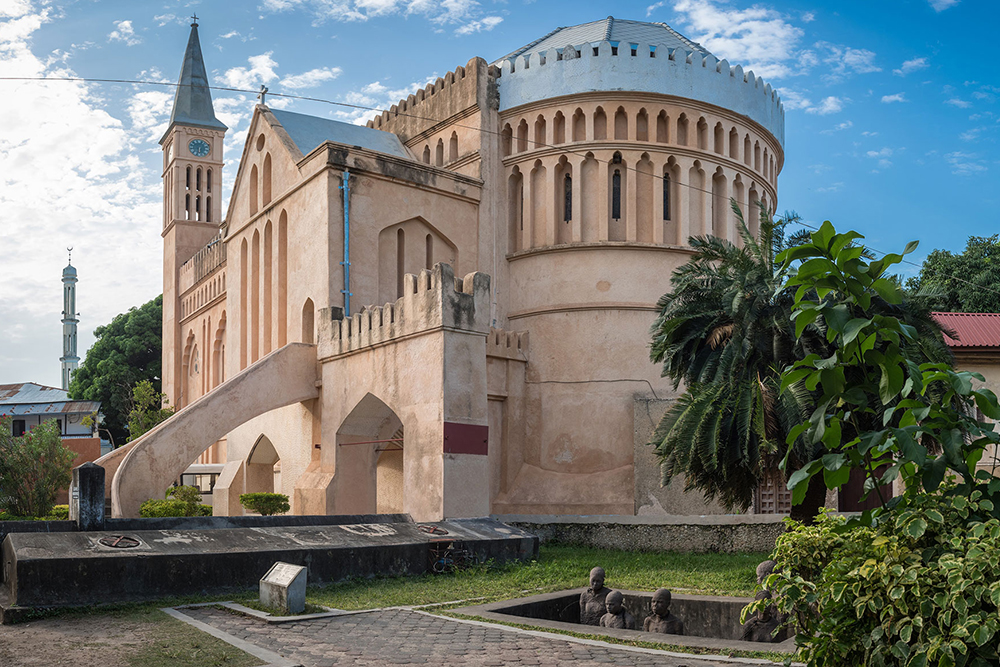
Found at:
[405, 637]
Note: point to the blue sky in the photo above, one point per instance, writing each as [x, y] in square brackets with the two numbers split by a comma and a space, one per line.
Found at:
[892, 115]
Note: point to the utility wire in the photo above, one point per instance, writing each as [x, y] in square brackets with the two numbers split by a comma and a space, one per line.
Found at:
[362, 107]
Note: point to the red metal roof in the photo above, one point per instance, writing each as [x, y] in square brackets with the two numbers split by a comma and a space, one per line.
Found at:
[972, 329]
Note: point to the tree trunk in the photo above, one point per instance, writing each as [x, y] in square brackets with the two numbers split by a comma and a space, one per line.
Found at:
[806, 511]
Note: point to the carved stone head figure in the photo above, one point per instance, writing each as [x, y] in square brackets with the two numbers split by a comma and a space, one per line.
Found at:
[661, 602]
[615, 602]
[597, 579]
[764, 570]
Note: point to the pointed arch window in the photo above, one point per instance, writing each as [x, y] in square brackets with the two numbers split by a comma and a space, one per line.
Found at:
[208, 181]
[208, 209]
[616, 195]
[666, 196]
[197, 179]
[187, 179]
[568, 198]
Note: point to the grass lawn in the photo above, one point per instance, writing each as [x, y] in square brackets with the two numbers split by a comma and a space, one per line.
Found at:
[558, 567]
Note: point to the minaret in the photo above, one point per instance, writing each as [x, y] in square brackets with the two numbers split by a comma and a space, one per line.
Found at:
[192, 193]
[69, 321]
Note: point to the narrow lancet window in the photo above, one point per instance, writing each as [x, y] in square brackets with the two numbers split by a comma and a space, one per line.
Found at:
[187, 179]
[208, 208]
[568, 195]
[616, 195]
[208, 181]
[666, 196]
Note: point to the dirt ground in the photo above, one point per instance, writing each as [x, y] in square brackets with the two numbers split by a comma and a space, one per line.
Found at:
[145, 638]
[87, 641]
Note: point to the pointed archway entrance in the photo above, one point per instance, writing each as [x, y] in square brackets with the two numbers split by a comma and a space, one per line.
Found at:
[370, 459]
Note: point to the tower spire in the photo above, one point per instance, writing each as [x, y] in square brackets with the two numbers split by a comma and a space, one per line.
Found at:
[193, 99]
[70, 361]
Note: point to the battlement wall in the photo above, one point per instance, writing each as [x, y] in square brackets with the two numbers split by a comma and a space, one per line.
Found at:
[433, 299]
[507, 344]
[449, 96]
[204, 262]
[654, 69]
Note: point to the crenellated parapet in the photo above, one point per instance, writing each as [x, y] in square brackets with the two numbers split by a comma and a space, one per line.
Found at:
[448, 96]
[433, 299]
[507, 344]
[644, 68]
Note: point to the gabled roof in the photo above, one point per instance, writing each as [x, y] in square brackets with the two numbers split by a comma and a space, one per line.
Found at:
[193, 99]
[308, 132]
[972, 329]
[612, 30]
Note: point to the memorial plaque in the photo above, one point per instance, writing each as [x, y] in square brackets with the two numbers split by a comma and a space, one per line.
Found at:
[284, 588]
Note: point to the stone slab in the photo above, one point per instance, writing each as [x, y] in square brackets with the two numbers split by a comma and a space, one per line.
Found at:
[76, 569]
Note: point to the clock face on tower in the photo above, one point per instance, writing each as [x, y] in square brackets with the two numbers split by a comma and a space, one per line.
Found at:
[199, 147]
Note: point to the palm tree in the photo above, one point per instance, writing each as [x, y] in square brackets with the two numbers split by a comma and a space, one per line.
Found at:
[725, 331]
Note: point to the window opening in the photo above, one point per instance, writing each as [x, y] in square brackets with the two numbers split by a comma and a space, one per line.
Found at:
[568, 194]
[616, 195]
[666, 196]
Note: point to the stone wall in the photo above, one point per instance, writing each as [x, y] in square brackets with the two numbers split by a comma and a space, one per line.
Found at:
[688, 534]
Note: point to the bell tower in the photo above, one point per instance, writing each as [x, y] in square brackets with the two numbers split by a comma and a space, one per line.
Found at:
[192, 192]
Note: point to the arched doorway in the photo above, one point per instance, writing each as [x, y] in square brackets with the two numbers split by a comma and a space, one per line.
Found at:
[370, 461]
[263, 470]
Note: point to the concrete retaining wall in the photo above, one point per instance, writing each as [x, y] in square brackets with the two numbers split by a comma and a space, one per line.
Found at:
[694, 534]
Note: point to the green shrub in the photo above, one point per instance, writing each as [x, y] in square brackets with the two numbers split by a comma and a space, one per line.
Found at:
[179, 501]
[33, 468]
[920, 587]
[265, 504]
[58, 513]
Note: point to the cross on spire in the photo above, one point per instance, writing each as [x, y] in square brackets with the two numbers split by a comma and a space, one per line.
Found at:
[194, 20]
[262, 93]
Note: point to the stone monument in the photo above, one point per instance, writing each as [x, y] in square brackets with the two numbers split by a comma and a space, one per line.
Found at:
[284, 588]
[592, 600]
[617, 615]
[86, 503]
[661, 620]
[762, 625]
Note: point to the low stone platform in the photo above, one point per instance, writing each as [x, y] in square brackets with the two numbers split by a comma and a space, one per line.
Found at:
[87, 568]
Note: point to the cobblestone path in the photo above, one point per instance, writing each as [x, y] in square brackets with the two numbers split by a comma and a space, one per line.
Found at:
[403, 637]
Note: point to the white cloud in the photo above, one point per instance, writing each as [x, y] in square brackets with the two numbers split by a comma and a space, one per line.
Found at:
[758, 38]
[964, 164]
[941, 5]
[793, 100]
[827, 106]
[839, 127]
[833, 187]
[312, 78]
[484, 25]
[911, 66]
[960, 103]
[164, 19]
[124, 32]
[869, 134]
[439, 12]
[844, 61]
[69, 175]
[260, 71]
[897, 97]
[971, 135]
[808, 17]
[884, 152]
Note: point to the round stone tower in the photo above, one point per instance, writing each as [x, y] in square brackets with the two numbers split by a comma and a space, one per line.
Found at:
[620, 140]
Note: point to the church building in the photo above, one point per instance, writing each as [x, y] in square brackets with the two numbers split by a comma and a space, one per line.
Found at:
[447, 312]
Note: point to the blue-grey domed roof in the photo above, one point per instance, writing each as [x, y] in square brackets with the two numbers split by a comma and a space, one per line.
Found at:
[70, 270]
[610, 30]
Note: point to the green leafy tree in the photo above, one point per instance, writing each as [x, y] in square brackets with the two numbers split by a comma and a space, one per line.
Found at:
[33, 468]
[881, 403]
[725, 331]
[127, 350]
[966, 282]
[149, 408]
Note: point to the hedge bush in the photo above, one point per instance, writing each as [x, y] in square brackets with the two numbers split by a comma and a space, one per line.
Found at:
[920, 587]
[265, 504]
[179, 501]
